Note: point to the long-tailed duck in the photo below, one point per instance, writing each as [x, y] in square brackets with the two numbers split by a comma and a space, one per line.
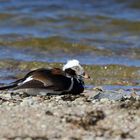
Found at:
[52, 81]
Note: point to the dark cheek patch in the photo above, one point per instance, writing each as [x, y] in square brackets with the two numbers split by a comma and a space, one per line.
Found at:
[70, 72]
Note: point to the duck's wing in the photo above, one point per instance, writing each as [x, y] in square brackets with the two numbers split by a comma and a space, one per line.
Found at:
[53, 79]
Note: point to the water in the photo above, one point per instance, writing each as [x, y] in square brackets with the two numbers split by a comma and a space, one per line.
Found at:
[96, 32]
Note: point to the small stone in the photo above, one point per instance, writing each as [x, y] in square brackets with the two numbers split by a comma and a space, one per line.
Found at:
[18, 138]
[104, 100]
[28, 138]
[27, 102]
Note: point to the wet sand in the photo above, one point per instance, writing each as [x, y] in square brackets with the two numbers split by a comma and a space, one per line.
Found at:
[68, 117]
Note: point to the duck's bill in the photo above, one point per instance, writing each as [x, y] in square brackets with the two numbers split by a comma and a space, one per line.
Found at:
[86, 76]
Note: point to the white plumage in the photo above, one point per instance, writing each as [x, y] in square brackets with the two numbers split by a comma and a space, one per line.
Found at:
[70, 64]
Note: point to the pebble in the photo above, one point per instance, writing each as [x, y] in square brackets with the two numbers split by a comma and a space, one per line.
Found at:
[113, 95]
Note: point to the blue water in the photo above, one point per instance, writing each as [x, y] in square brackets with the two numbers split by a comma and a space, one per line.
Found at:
[112, 27]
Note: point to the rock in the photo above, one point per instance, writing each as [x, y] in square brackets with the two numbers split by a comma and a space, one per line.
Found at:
[113, 95]
[29, 101]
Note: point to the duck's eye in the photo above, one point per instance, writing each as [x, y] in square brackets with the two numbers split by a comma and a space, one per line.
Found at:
[77, 68]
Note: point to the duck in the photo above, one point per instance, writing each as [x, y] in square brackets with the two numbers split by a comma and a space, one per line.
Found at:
[43, 81]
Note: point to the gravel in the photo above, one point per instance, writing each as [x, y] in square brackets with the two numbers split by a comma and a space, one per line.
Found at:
[68, 117]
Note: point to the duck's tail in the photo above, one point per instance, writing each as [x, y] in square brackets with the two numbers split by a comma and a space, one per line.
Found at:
[11, 85]
[8, 87]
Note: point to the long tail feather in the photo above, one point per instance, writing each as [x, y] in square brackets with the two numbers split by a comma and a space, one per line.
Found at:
[12, 85]
[8, 87]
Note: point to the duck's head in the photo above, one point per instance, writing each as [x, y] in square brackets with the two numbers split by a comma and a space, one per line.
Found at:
[73, 69]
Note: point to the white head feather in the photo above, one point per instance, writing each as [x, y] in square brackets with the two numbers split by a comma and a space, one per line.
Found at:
[70, 64]
[75, 65]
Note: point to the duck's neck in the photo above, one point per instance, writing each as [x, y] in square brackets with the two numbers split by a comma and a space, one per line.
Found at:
[77, 77]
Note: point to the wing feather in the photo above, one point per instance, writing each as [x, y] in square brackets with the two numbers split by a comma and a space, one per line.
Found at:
[45, 78]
